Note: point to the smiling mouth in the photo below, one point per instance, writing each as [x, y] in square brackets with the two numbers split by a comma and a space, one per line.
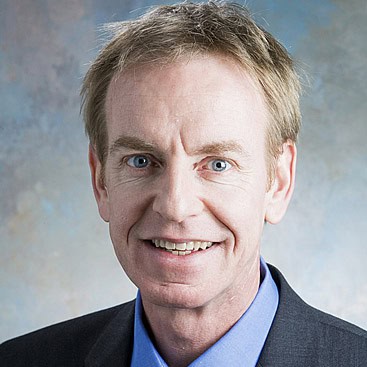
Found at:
[182, 248]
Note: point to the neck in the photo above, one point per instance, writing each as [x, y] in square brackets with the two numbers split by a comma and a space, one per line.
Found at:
[181, 335]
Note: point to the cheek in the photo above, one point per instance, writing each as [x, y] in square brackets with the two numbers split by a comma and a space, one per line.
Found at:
[241, 209]
[125, 211]
[121, 209]
[244, 196]
[125, 199]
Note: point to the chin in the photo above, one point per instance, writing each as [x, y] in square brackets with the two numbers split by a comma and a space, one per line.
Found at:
[175, 296]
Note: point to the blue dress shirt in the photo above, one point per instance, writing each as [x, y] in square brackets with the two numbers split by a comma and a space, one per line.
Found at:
[240, 346]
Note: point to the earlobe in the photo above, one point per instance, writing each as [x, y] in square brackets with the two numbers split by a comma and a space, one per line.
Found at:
[282, 188]
[99, 188]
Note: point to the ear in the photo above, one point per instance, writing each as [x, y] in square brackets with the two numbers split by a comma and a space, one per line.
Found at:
[282, 187]
[99, 188]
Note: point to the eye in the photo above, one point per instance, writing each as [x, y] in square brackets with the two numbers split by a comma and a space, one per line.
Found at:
[219, 165]
[138, 161]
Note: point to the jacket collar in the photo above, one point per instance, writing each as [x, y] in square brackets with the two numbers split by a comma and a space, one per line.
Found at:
[114, 346]
[286, 344]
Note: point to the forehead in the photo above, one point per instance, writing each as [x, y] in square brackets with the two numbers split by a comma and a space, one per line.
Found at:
[199, 97]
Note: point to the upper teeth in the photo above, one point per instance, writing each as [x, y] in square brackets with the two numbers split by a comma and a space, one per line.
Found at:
[182, 248]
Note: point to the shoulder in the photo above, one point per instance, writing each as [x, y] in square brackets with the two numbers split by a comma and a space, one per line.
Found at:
[312, 337]
[64, 344]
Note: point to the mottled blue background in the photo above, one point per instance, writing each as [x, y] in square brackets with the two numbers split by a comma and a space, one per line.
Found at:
[56, 258]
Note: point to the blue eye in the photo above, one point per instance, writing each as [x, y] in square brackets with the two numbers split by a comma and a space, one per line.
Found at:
[138, 161]
[219, 165]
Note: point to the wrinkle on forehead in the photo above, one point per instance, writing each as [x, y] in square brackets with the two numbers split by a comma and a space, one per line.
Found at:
[150, 81]
[211, 148]
[176, 73]
[203, 96]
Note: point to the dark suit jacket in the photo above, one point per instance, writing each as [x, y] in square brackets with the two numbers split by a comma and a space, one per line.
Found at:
[300, 336]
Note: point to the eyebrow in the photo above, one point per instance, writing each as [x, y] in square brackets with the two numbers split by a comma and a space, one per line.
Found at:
[215, 148]
[133, 143]
[221, 147]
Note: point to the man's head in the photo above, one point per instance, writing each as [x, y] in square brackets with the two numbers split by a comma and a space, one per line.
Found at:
[180, 132]
[170, 33]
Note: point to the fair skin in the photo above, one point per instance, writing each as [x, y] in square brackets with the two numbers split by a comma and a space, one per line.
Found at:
[186, 164]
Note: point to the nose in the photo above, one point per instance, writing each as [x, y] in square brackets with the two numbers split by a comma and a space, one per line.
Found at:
[177, 196]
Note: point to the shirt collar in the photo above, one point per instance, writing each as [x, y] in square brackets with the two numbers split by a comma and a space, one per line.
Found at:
[240, 346]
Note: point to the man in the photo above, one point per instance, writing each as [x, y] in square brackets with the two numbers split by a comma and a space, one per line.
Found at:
[192, 114]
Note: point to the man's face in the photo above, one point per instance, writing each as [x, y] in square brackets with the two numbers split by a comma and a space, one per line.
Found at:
[186, 166]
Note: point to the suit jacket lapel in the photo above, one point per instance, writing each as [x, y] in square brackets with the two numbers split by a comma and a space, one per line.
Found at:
[288, 343]
[114, 347]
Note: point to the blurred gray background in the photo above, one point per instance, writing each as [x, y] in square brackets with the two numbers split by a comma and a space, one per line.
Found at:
[56, 258]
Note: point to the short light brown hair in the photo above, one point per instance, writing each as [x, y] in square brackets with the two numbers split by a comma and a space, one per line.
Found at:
[167, 33]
